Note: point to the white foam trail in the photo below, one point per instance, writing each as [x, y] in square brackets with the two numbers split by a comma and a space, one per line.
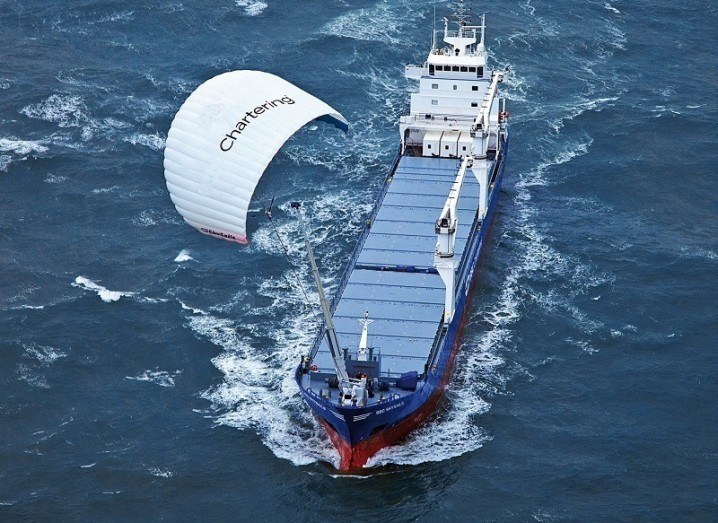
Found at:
[21, 147]
[160, 472]
[19, 150]
[251, 7]
[372, 23]
[153, 141]
[152, 217]
[118, 16]
[44, 354]
[580, 106]
[105, 294]
[65, 110]
[55, 178]
[105, 190]
[537, 176]
[38, 358]
[158, 377]
[193, 310]
[259, 392]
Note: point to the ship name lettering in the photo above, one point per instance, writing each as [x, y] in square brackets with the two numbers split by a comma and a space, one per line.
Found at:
[228, 140]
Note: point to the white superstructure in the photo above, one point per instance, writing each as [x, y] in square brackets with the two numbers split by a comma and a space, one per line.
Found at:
[456, 111]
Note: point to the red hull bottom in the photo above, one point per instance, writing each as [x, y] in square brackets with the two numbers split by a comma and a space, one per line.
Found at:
[353, 458]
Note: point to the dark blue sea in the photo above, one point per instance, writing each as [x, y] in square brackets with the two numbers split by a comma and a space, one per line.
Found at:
[145, 369]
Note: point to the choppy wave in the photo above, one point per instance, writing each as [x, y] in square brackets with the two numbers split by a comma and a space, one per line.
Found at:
[152, 217]
[159, 472]
[118, 16]
[55, 178]
[37, 359]
[162, 378]
[18, 150]
[64, 110]
[183, 256]
[258, 392]
[383, 23]
[153, 141]
[251, 7]
[105, 294]
[21, 147]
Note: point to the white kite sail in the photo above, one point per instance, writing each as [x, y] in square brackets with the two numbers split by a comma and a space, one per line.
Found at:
[223, 138]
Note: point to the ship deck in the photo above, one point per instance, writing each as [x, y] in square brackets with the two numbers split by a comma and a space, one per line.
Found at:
[394, 278]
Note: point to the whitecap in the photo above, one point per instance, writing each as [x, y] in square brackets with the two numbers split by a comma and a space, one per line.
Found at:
[183, 256]
[191, 309]
[88, 466]
[251, 7]
[105, 190]
[21, 147]
[5, 161]
[160, 472]
[155, 141]
[44, 354]
[118, 16]
[356, 24]
[65, 110]
[18, 149]
[105, 294]
[158, 377]
[151, 217]
[582, 344]
[55, 178]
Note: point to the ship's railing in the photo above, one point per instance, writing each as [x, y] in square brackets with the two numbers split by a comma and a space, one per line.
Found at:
[421, 121]
[463, 33]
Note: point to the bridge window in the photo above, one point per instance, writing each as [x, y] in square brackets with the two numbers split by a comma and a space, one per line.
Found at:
[464, 69]
[439, 68]
[480, 72]
[472, 69]
[474, 104]
[474, 87]
[455, 68]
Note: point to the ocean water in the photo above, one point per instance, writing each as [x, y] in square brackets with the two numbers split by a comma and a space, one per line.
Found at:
[145, 368]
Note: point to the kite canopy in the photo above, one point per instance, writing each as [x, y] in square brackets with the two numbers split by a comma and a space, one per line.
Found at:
[223, 138]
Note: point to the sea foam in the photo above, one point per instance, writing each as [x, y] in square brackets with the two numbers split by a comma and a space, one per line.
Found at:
[105, 294]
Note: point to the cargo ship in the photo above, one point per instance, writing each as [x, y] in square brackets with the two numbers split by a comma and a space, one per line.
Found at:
[405, 291]
[389, 337]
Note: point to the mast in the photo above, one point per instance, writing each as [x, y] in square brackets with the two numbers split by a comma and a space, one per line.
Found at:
[328, 322]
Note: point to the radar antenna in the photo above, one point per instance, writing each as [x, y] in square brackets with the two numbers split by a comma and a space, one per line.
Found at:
[462, 13]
